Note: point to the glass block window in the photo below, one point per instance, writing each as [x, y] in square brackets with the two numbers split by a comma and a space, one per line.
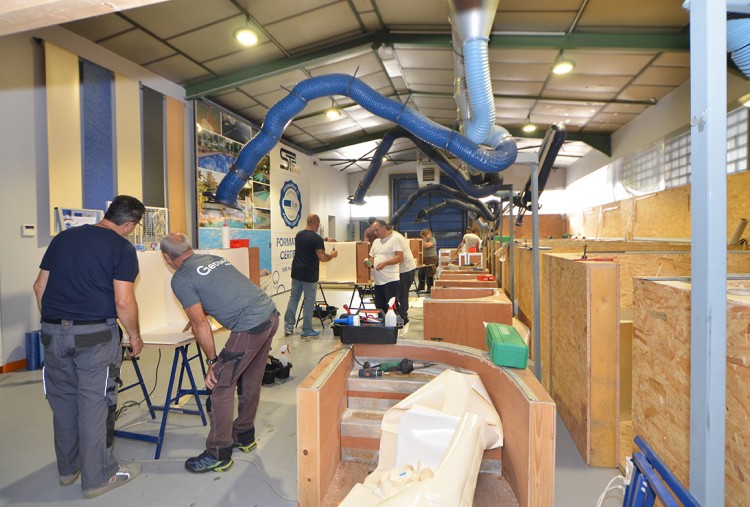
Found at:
[677, 161]
[737, 140]
[642, 172]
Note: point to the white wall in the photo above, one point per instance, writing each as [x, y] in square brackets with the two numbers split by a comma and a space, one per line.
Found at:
[328, 192]
[23, 146]
[24, 195]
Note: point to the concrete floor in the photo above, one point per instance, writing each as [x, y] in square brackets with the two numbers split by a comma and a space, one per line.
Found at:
[264, 478]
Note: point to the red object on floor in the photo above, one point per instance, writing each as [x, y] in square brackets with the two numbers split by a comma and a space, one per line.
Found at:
[486, 278]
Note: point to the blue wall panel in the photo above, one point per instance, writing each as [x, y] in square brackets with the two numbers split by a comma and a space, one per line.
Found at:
[153, 148]
[97, 117]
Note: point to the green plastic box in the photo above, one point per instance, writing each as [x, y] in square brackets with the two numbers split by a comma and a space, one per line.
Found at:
[507, 348]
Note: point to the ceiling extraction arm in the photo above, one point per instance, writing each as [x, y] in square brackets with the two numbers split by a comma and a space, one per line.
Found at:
[471, 22]
[281, 114]
[490, 184]
[489, 210]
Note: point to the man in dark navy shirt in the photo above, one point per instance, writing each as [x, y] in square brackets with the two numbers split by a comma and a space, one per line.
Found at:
[309, 252]
[86, 281]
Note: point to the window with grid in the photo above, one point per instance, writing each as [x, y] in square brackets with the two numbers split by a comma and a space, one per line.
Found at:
[677, 161]
[737, 140]
[642, 172]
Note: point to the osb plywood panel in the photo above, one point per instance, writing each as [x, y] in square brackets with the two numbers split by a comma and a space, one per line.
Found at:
[661, 372]
[524, 265]
[615, 221]
[581, 331]
[661, 380]
[549, 226]
[738, 205]
[663, 215]
[646, 264]
[738, 401]
[566, 349]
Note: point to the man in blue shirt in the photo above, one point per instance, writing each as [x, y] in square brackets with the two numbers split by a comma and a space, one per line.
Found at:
[86, 281]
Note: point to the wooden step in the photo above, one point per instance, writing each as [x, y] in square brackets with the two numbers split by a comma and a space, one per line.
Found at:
[361, 423]
[360, 440]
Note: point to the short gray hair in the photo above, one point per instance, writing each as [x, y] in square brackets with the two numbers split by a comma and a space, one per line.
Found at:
[175, 245]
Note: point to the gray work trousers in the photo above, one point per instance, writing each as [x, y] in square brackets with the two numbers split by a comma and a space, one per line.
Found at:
[243, 359]
[82, 367]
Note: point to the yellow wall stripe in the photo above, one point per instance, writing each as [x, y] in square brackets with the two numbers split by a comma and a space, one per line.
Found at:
[128, 135]
[63, 130]
[175, 140]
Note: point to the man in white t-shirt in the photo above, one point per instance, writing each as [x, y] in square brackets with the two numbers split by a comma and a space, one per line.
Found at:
[471, 242]
[386, 253]
[407, 269]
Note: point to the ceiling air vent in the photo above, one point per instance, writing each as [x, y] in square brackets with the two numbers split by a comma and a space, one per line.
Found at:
[427, 173]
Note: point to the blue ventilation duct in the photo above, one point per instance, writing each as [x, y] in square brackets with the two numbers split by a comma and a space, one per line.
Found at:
[279, 116]
[487, 185]
[490, 210]
[738, 41]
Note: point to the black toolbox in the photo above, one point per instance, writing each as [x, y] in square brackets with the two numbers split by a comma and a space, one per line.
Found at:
[368, 333]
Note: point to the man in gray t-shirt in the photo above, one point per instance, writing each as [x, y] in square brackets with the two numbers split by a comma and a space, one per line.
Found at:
[210, 285]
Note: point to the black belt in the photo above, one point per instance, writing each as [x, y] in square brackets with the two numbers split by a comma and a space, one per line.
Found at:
[75, 322]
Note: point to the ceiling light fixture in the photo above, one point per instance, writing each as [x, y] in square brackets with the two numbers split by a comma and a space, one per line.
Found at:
[246, 35]
[528, 127]
[563, 65]
[334, 113]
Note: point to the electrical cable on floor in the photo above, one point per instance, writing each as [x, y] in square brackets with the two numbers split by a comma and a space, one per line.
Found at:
[247, 460]
[130, 404]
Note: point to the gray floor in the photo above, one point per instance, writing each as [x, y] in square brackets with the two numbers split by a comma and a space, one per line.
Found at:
[267, 477]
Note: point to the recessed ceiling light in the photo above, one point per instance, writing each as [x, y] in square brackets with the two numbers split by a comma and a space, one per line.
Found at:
[246, 36]
[334, 113]
[563, 67]
[529, 127]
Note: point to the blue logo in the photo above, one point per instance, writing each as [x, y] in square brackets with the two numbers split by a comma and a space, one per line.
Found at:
[290, 203]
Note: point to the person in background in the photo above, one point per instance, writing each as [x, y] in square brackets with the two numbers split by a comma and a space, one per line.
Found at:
[309, 252]
[471, 241]
[429, 261]
[407, 269]
[370, 235]
[85, 283]
[209, 284]
[386, 253]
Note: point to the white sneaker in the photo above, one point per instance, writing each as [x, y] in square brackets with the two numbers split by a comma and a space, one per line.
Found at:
[404, 330]
[124, 474]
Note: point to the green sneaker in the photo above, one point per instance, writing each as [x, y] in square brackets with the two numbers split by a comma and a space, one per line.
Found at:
[205, 462]
[124, 474]
[248, 447]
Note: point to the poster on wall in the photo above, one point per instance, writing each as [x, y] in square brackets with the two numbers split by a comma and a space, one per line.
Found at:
[290, 201]
[219, 140]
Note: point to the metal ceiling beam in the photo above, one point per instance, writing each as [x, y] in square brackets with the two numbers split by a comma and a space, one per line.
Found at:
[636, 41]
[600, 142]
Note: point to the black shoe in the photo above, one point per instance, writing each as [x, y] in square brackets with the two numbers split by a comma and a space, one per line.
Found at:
[205, 462]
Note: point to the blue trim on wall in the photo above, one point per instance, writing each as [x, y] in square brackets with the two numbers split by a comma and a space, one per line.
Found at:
[97, 118]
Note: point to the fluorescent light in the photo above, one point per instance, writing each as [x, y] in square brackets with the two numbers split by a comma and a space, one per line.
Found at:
[563, 67]
[246, 37]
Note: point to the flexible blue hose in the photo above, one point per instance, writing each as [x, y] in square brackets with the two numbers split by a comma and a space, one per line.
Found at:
[279, 116]
[478, 82]
[433, 154]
